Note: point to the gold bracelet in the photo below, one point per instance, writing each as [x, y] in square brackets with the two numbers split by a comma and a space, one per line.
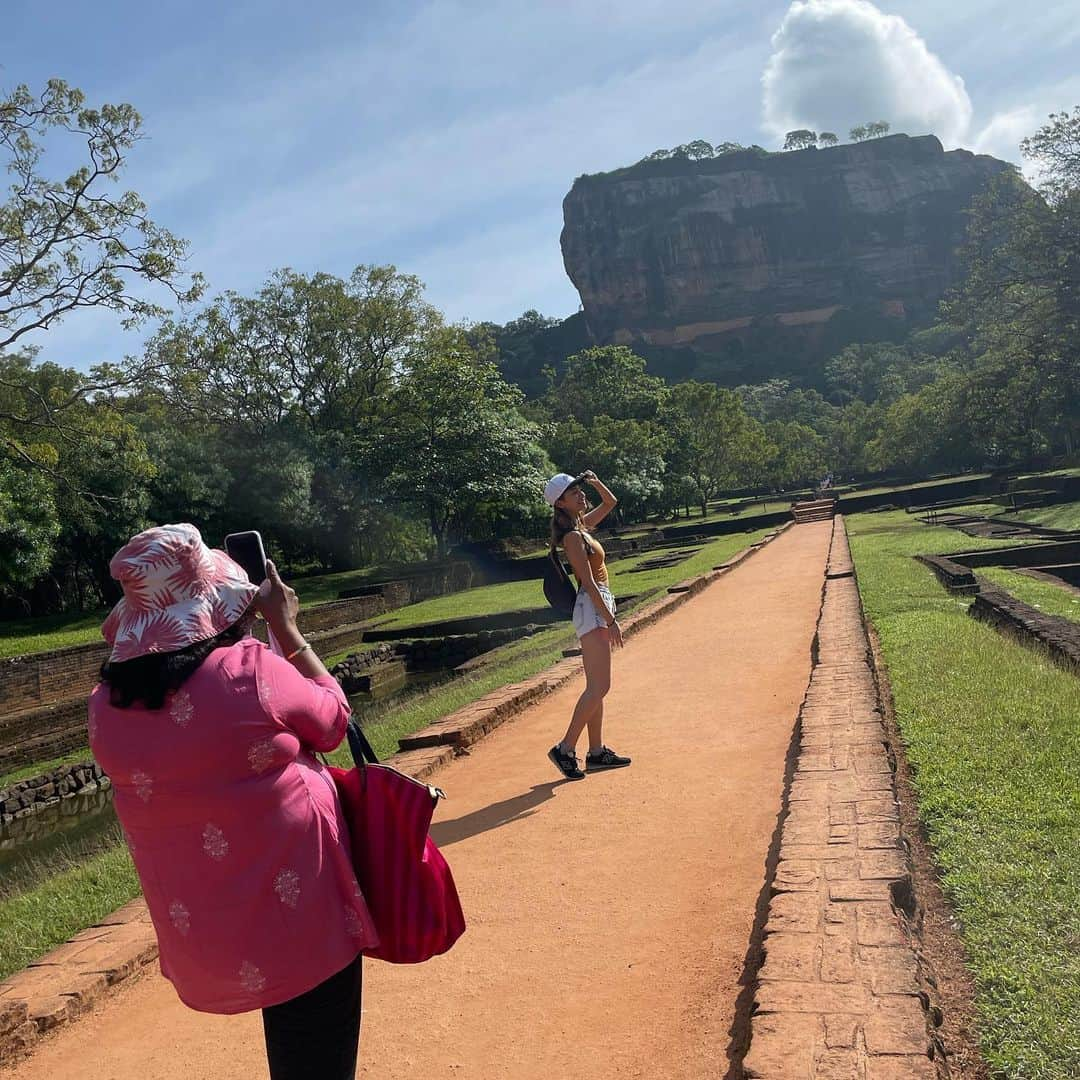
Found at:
[303, 648]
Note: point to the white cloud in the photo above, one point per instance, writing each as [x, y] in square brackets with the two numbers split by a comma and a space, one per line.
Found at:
[1001, 136]
[839, 63]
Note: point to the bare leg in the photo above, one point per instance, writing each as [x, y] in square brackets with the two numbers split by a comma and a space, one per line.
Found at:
[596, 656]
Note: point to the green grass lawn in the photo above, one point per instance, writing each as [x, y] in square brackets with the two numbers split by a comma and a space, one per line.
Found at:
[1063, 516]
[1072, 470]
[1043, 595]
[912, 487]
[44, 900]
[984, 509]
[46, 632]
[990, 728]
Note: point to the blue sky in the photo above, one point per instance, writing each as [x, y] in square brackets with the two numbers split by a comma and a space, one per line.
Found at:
[442, 136]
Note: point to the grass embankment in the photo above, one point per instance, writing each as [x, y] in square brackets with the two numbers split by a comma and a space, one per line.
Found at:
[938, 482]
[990, 729]
[79, 882]
[18, 637]
[46, 898]
[1042, 595]
[1064, 516]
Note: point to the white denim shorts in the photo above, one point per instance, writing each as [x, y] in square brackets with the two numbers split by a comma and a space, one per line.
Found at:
[586, 617]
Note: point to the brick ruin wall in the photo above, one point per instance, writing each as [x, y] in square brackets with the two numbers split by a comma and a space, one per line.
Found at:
[29, 681]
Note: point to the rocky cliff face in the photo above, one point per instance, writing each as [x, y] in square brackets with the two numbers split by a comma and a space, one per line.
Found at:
[680, 253]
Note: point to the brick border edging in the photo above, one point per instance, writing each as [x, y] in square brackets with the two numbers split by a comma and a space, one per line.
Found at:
[67, 981]
[842, 991]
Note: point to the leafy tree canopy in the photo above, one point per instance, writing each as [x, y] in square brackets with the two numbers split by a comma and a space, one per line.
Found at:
[75, 242]
[608, 380]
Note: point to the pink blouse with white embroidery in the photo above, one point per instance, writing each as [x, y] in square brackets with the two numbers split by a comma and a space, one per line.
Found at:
[235, 828]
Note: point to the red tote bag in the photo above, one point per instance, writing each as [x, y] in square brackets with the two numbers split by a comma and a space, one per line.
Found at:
[405, 879]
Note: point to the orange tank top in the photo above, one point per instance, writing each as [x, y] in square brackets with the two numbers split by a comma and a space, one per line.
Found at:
[595, 554]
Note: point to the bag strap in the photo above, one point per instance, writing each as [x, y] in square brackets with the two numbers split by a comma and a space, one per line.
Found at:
[359, 746]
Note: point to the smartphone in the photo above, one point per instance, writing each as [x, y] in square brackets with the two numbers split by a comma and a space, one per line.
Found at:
[246, 548]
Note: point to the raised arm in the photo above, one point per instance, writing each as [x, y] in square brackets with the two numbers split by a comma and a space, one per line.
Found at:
[296, 689]
[607, 504]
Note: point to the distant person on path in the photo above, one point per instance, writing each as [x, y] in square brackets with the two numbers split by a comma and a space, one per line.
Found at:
[594, 618]
[234, 826]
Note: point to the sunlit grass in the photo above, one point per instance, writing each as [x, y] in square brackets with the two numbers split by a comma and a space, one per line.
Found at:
[990, 729]
[1065, 516]
[885, 488]
[47, 632]
[1042, 595]
[44, 901]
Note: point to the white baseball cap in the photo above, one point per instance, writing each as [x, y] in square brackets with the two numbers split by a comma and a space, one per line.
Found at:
[556, 487]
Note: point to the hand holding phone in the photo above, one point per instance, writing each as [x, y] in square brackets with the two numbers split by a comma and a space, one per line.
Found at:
[246, 549]
[277, 602]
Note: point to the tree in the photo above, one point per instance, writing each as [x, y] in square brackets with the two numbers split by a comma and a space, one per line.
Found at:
[828, 138]
[457, 443]
[1055, 150]
[856, 425]
[606, 380]
[1017, 309]
[858, 134]
[523, 347]
[319, 350]
[302, 369]
[71, 243]
[723, 446]
[877, 128]
[777, 399]
[877, 371]
[928, 430]
[727, 148]
[800, 139]
[799, 457]
[29, 526]
[697, 150]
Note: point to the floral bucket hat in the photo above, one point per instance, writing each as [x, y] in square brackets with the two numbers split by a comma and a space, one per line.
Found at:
[177, 591]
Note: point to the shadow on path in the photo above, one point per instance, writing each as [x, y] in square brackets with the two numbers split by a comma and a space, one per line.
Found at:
[497, 814]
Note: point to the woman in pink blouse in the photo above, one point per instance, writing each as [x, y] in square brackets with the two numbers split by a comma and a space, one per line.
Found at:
[234, 826]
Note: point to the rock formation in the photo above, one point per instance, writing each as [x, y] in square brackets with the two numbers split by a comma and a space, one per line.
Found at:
[681, 253]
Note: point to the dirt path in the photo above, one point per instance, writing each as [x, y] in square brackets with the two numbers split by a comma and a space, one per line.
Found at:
[609, 919]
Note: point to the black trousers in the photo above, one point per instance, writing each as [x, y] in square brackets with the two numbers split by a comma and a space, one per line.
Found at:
[315, 1036]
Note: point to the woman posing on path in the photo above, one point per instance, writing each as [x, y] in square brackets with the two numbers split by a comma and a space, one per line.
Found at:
[594, 618]
[234, 827]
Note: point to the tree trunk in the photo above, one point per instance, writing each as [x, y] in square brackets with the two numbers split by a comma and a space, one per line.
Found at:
[438, 532]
